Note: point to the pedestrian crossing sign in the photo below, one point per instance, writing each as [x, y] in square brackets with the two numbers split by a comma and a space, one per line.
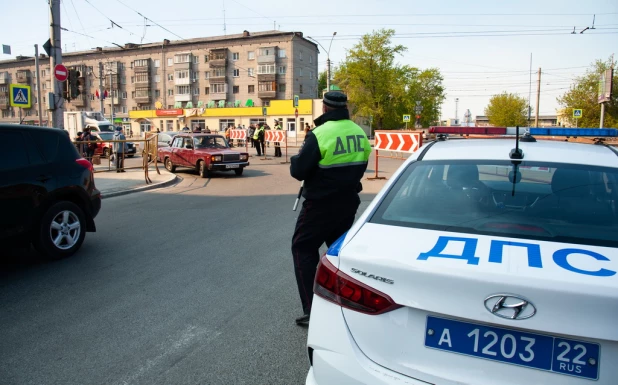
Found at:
[20, 96]
[577, 113]
[406, 118]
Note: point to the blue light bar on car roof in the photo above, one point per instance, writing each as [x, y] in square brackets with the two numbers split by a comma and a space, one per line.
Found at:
[596, 132]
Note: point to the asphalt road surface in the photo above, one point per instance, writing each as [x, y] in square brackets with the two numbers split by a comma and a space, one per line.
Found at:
[192, 284]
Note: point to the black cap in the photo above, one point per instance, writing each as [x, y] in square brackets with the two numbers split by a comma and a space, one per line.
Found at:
[335, 99]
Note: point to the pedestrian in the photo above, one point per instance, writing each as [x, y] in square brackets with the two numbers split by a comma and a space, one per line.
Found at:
[89, 147]
[185, 128]
[119, 149]
[277, 144]
[227, 134]
[258, 138]
[307, 128]
[207, 130]
[158, 132]
[331, 164]
[131, 133]
[250, 135]
[79, 145]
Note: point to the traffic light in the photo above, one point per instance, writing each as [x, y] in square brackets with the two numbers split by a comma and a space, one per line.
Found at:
[74, 84]
[66, 94]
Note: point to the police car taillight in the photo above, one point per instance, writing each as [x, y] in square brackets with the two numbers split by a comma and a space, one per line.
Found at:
[335, 286]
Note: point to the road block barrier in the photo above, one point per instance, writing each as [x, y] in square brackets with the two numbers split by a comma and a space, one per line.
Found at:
[400, 142]
[278, 137]
[239, 135]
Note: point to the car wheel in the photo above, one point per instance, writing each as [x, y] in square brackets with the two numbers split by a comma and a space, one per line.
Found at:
[201, 167]
[169, 166]
[106, 152]
[61, 231]
[238, 171]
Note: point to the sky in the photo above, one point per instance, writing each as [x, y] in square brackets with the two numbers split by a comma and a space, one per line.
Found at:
[481, 47]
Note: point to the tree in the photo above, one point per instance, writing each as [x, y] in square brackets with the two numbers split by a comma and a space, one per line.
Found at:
[379, 87]
[583, 94]
[507, 110]
[321, 84]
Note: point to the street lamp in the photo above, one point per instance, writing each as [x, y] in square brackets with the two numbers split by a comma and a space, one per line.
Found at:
[456, 110]
[327, 58]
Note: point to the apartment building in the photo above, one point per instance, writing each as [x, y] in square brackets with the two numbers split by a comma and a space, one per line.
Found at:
[248, 69]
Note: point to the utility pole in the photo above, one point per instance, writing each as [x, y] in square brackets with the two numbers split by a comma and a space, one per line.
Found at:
[38, 84]
[328, 75]
[538, 97]
[602, 122]
[530, 91]
[57, 101]
[101, 88]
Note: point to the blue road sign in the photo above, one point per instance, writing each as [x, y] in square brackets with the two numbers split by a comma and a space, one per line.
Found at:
[20, 96]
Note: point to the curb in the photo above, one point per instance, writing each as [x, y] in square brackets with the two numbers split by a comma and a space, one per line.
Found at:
[141, 188]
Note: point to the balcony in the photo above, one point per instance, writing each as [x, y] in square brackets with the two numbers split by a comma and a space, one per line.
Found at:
[217, 79]
[267, 77]
[80, 101]
[142, 67]
[183, 97]
[23, 77]
[142, 99]
[182, 81]
[267, 94]
[217, 58]
[144, 81]
[116, 99]
[267, 59]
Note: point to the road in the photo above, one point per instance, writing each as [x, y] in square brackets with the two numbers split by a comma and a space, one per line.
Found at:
[192, 284]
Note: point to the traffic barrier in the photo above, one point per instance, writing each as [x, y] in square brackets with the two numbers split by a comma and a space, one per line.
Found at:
[277, 137]
[399, 142]
[239, 135]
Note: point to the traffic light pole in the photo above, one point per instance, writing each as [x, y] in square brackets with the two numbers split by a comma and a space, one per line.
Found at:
[38, 85]
[56, 101]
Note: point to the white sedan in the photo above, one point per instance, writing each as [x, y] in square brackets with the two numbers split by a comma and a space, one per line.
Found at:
[477, 264]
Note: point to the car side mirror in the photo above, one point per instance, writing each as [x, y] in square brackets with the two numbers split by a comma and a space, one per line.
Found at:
[189, 147]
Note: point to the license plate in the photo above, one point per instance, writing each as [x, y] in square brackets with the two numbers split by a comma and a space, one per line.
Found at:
[553, 354]
[232, 166]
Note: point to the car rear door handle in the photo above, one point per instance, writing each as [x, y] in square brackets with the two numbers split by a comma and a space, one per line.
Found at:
[43, 178]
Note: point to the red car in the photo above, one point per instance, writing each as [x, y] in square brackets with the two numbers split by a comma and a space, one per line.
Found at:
[204, 153]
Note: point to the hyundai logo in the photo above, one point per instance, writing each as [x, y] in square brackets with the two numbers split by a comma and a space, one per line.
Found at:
[509, 306]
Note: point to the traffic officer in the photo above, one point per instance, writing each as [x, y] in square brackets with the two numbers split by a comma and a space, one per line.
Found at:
[277, 144]
[331, 164]
[258, 138]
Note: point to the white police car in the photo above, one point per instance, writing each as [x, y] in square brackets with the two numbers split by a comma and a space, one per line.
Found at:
[477, 264]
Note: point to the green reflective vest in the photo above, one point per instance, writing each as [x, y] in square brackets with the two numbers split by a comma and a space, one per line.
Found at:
[342, 143]
[257, 132]
[277, 127]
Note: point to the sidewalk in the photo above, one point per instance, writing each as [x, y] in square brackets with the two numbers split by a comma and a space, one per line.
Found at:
[112, 184]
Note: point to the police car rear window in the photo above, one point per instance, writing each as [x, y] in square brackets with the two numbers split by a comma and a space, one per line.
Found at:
[552, 202]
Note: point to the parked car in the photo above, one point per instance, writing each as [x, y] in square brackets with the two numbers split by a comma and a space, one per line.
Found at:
[105, 148]
[47, 191]
[165, 138]
[481, 261]
[204, 152]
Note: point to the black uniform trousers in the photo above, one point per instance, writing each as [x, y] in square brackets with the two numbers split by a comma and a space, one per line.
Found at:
[277, 149]
[320, 221]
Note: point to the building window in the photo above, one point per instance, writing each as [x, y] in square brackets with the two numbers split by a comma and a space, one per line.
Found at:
[219, 88]
[218, 72]
[236, 89]
[132, 94]
[183, 90]
[132, 79]
[123, 94]
[310, 74]
[36, 101]
[141, 78]
[251, 55]
[282, 70]
[205, 58]
[300, 55]
[140, 63]
[182, 74]
[266, 103]
[300, 72]
[282, 53]
[170, 92]
[124, 110]
[225, 123]
[169, 125]
[157, 93]
[251, 89]
[310, 59]
[182, 58]
[207, 90]
[44, 73]
[170, 77]
[196, 74]
[196, 91]
[157, 78]
[251, 72]
[157, 63]
[170, 61]
[235, 56]
[207, 75]
[301, 88]
[195, 59]
[236, 73]
[266, 69]
[281, 87]
[264, 51]
[267, 86]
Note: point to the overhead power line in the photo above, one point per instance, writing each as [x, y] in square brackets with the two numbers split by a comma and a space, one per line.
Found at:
[152, 21]
[111, 21]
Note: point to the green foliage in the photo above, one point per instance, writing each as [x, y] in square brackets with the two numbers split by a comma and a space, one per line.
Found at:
[321, 84]
[507, 110]
[377, 86]
[583, 94]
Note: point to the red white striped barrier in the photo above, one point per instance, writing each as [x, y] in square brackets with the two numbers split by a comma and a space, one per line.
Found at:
[238, 134]
[274, 135]
[397, 141]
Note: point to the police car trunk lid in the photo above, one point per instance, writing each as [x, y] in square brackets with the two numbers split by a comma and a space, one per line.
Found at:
[450, 275]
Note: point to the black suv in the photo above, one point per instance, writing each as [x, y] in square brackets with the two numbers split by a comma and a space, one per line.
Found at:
[47, 191]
